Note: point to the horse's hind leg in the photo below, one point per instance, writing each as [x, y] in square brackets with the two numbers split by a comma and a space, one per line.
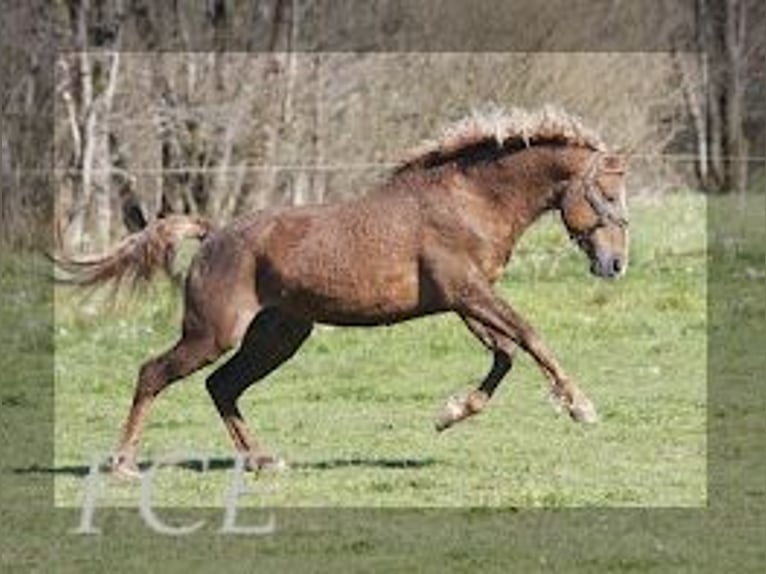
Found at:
[188, 355]
[458, 408]
[271, 339]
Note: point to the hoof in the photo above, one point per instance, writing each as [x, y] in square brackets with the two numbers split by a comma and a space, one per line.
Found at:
[579, 407]
[267, 463]
[583, 412]
[452, 411]
[125, 468]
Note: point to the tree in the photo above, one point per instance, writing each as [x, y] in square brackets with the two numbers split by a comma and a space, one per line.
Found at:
[87, 87]
[729, 37]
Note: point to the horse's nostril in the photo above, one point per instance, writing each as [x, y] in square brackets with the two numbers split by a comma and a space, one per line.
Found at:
[616, 265]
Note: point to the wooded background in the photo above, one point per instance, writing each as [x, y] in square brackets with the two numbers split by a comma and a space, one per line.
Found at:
[220, 107]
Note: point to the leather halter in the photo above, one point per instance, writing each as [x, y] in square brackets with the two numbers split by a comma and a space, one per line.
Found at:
[604, 211]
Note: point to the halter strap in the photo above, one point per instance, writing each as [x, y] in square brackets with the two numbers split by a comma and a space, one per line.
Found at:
[603, 209]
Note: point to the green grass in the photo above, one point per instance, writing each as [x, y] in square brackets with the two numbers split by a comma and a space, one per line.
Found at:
[353, 411]
[666, 276]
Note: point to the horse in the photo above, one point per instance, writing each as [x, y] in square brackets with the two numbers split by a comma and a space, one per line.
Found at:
[434, 237]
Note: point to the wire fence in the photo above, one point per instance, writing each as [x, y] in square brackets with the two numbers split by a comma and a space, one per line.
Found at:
[353, 166]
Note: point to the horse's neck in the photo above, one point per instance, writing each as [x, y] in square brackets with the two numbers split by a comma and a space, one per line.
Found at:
[525, 186]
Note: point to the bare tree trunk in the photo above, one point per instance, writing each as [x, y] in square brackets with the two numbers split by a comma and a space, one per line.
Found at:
[715, 136]
[279, 41]
[694, 95]
[178, 142]
[74, 237]
[102, 177]
[319, 178]
[736, 173]
[700, 121]
[177, 134]
[216, 10]
[301, 182]
[721, 28]
[709, 42]
[88, 117]
[6, 170]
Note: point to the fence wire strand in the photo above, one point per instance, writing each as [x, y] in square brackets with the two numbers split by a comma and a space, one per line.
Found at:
[338, 167]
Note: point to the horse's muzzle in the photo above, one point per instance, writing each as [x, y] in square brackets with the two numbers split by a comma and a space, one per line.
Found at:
[609, 266]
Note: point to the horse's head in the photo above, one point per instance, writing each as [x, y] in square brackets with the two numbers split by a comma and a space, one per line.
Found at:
[594, 210]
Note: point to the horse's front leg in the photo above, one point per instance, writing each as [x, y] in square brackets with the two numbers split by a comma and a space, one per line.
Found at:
[458, 408]
[507, 327]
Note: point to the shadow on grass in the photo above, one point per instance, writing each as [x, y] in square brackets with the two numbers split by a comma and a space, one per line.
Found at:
[214, 464]
[395, 463]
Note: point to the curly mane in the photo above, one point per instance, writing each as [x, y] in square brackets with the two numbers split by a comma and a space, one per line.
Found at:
[495, 129]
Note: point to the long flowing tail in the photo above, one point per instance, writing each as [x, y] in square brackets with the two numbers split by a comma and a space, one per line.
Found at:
[137, 257]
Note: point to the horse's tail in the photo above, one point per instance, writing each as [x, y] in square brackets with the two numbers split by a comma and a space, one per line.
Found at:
[137, 257]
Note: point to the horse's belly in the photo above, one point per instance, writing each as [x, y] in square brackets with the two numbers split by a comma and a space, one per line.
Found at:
[382, 296]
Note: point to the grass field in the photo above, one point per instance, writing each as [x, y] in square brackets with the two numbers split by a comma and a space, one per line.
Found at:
[353, 411]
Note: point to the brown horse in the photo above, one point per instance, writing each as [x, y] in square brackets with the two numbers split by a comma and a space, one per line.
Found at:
[434, 237]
